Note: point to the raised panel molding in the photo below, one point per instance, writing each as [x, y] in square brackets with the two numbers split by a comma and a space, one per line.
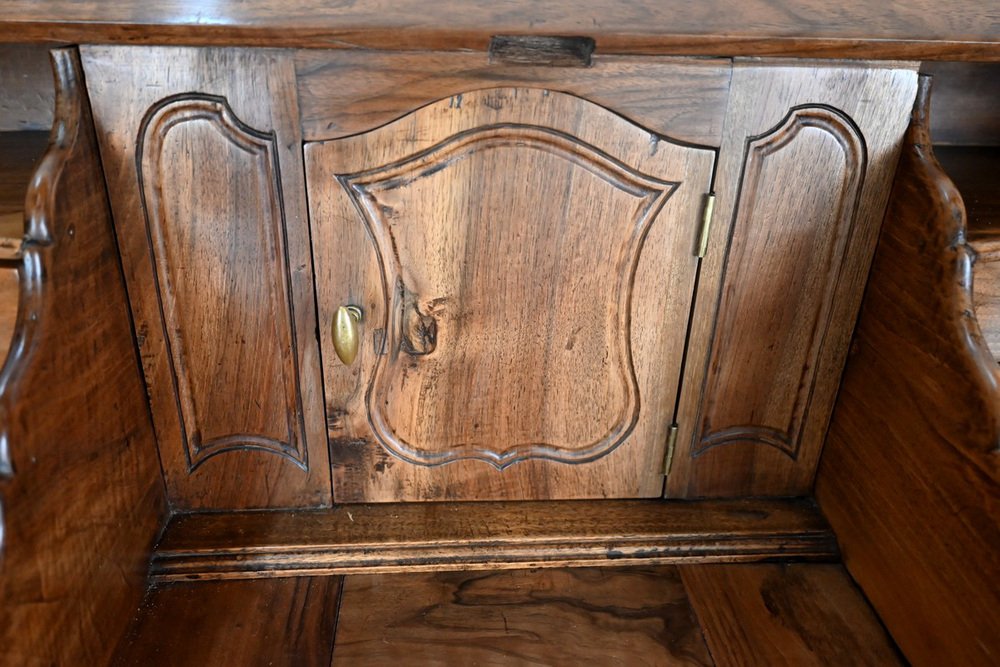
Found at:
[212, 200]
[786, 238]
[393, 361]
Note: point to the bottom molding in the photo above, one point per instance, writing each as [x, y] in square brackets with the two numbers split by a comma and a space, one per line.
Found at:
[351, 539]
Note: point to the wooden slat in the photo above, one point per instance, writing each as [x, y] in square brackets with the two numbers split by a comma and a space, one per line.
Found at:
[566, 617]
[447, 536]
[795, 615]
[84, 501]
[910, 476]
[968, 30]
[344, 92]
[279, 622]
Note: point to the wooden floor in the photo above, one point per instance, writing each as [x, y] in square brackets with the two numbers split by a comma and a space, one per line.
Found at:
[743, 614]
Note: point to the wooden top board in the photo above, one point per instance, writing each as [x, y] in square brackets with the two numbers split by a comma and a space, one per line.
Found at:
[915, 29]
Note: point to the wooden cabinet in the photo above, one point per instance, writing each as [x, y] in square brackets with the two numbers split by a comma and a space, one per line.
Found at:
[536, 320]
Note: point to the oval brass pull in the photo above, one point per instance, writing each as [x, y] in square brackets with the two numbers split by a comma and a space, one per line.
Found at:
[345, 333]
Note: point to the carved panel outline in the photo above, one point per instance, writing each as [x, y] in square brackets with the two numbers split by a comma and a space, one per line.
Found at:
[166, 115]
[787, 438]
[363, 188]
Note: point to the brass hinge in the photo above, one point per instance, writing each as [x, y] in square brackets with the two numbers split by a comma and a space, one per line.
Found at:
[668, 459]
[706, 224]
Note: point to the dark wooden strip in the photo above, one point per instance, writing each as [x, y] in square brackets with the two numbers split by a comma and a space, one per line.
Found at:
[795, 615]
[442, 536]
[274, 622]
[85, 500]
[581, 616]
[910, 475]
[803, 28]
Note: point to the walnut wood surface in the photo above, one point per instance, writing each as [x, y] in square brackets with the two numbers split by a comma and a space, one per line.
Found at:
[343, 92]
[804, 173]
[920, 29]
[444, 536]
[84, 501]
[974, 171]
[777, 615]
[527, 617]
[26, 92]
[910, 476]
[511, 324]
[274, 623]
[202, 153]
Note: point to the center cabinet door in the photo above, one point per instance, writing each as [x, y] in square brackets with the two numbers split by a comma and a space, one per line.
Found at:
[523, 263]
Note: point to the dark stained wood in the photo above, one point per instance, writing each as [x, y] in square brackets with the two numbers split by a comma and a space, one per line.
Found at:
[964, 109]
[510, 325]
[592, 616]
[275, 623]
[26, 92]
[795, 615]
[546, 51]
[968, 30]
[344, 92]
[974, 171]
[444, 536]
[84, 501]
[910, 476]
[804, 174]
[202, 153]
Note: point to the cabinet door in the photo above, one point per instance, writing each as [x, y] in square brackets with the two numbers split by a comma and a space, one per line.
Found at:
[523, 262]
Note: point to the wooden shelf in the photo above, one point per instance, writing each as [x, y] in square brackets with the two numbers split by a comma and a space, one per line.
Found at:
[745, 614]
[493, 535]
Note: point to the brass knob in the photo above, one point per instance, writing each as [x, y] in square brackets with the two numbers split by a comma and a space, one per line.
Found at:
[345, 333]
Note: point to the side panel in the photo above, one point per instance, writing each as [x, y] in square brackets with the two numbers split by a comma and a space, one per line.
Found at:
[807, 157]
[202, 152]
[910, 476]
[83, 501]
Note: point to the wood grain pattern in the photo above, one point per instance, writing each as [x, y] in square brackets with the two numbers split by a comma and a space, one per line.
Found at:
[528, 617]
[26, 92]
[511, 325]
[973, 169]
[344, 92]
[202, 153]
[777, 615]
[192, 148]
[780, 286]
[910, 476]
[449, 536]
[278, 623]
[85, 501]
[917, 29]
[770, 337]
